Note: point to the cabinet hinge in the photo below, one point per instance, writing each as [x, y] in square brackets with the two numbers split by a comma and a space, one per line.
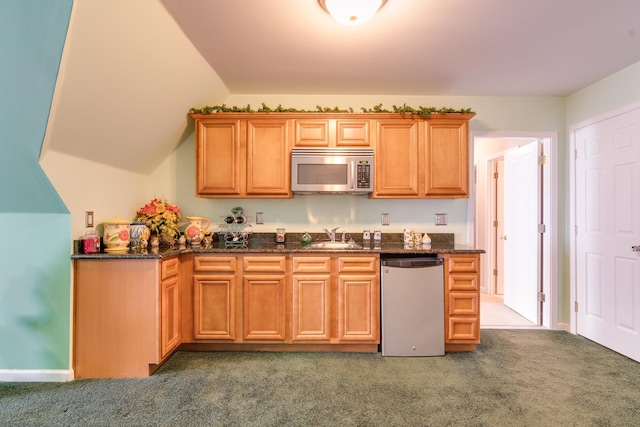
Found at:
[542, 228]
[542, 160]
[541, 297]
[575, 306]
[575, 154]
[495, 175]
[575, 230]
[495, 223]
[495, 271]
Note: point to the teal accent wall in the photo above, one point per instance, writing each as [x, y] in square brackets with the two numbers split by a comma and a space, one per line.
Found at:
[35, 225]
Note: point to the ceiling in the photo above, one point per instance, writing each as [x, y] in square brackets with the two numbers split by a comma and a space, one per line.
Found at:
[131, 70]
[433, 47]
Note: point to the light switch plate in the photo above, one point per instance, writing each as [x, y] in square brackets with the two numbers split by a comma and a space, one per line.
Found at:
[441, 219]
[88, 219]
[259, 218]
[385, 219]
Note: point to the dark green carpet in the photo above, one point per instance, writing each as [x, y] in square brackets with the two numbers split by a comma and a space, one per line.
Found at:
[516, 378]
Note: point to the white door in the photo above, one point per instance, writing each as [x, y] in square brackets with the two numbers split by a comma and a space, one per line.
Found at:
[521, 237]
[607, 180]
[499, 226]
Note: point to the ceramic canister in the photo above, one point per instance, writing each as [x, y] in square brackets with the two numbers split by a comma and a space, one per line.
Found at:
[116, 237]
[139, 234]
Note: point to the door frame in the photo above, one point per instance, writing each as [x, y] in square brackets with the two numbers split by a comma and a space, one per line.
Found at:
[549, 261]
[573, 285]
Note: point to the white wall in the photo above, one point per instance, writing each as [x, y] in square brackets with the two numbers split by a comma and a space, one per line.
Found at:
[355, 213]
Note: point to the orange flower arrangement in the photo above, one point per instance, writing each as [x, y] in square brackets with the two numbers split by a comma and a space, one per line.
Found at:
[162, 218]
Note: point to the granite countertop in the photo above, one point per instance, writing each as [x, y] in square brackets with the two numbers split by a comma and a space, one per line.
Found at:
[264, 243]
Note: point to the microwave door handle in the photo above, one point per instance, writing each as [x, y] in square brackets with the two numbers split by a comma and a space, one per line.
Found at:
[353, 174]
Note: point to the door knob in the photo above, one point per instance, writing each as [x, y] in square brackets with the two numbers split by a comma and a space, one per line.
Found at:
[503, 238]
[635, 248]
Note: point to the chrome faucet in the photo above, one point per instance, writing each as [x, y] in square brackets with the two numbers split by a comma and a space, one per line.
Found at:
[331, 234]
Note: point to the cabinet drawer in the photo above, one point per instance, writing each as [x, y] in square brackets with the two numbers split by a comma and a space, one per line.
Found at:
[463, 328]
[463, 282]
[459, 264]
[358, 264]
[314, 264]
[169, 268]
[463, 303]
[264, 264]
[222, 264]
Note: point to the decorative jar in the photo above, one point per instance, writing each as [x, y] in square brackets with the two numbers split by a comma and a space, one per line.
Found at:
[139, 235]
[116, 235]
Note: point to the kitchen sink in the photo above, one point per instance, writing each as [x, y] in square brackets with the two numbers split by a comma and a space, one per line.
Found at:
[334, 245]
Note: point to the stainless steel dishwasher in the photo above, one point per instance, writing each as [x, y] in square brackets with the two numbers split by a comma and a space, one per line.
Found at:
[412, 306]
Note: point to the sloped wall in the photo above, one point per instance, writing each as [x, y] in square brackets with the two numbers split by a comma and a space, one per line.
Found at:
[34, 222]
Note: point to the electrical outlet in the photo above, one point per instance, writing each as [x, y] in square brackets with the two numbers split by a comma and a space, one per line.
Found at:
[88, 219]
[259, 217]
[385, 219]
[441, 219]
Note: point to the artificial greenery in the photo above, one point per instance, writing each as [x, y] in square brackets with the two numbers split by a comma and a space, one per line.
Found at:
[404, 109]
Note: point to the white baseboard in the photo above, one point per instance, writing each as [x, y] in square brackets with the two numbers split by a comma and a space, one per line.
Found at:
[35, 375]
[564, 327]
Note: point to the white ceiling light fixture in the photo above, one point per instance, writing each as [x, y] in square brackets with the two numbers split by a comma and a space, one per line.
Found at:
[352, 12]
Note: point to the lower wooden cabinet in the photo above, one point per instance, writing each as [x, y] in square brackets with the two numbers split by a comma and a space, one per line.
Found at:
[126, 316]
[170, 315]
[215, 282]
[462, 301]
[311, 299]
[326, 299]
[358, 299]
[264, 307]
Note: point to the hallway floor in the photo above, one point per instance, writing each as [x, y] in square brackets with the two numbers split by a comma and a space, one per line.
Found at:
[495, 315]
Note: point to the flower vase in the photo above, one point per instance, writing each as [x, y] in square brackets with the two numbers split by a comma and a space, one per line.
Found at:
[139, 235]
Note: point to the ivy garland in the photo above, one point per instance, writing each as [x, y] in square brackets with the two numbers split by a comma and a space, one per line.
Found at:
[404, 109]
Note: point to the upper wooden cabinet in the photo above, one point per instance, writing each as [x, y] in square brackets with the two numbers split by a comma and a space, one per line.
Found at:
[447, 155]
[238, 156]
[248, 155]
[423, 158]
[321, 132]
[397, 158]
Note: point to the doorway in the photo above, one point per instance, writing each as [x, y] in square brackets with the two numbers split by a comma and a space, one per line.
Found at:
[489, 150]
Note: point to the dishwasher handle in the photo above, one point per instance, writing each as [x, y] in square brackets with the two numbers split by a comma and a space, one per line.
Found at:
[412, 262]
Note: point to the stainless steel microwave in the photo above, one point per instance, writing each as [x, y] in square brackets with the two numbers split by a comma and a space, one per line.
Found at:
[332, 170]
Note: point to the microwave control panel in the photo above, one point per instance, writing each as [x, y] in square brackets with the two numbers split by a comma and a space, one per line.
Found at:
[364, 174]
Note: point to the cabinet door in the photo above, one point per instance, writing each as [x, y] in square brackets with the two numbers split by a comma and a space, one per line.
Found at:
[311, 133]
[264, 307]
[169, 315]
[219, 158]
[320, 132]
[311, 314]
[214, 306]
[353, 133]
[447, 157]
[397, 158]
[358, 308]
[268, 160]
